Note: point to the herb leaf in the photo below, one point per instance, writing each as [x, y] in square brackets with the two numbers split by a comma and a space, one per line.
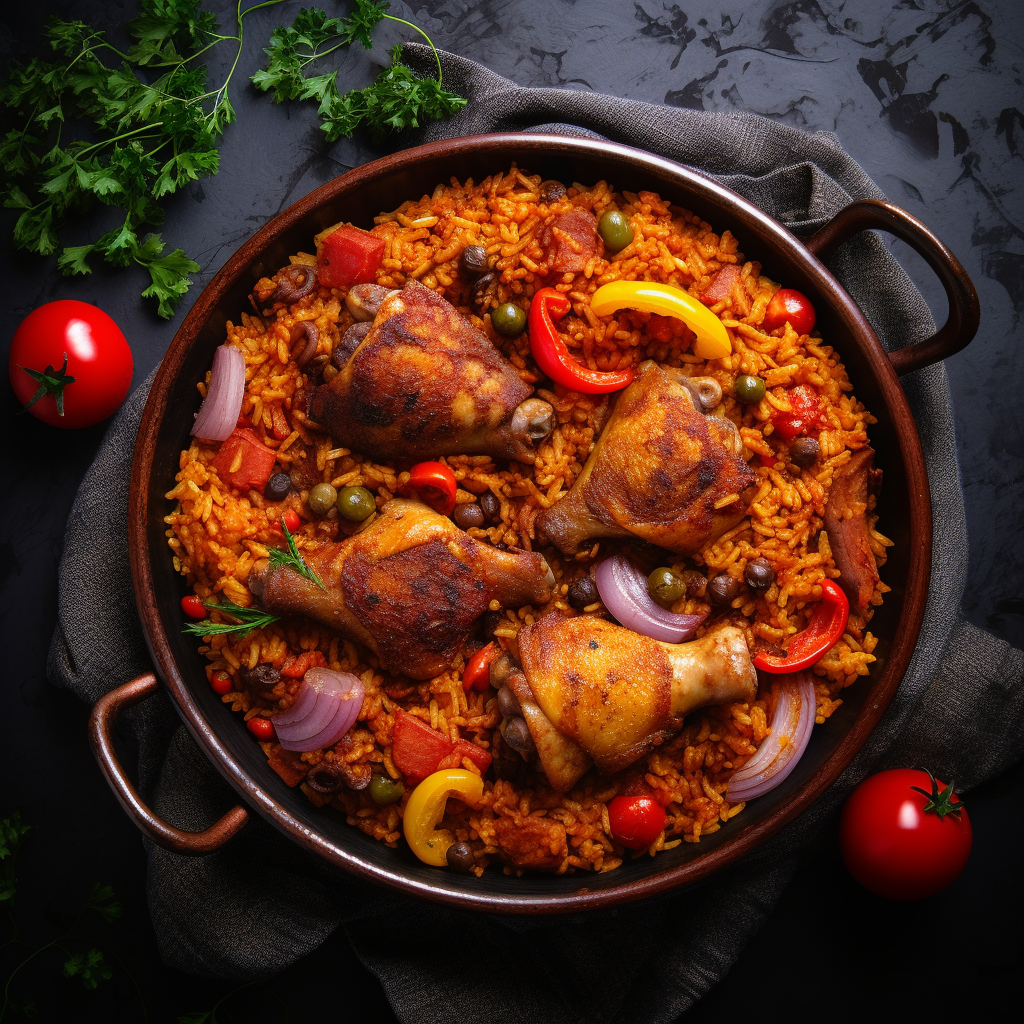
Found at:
[248, 620]
[90, 967]
[292, 559]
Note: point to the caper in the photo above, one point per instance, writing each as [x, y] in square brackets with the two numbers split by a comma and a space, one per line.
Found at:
[696, 583]
[749, 389]
[665, 586]
[322, 499]
[615, 230]
[508, 320]
[722, 589]
[460, 857]
[385, 790]
[468, 515]
[551, 192]
[473, 260]
[355, 503]
[804, 452]
[491, 508]
[758, 574]
[277, 487]
[582, 592]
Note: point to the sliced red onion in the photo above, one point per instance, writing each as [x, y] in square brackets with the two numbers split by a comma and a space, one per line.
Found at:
[219, 412]
[333, 710]
[783, 747]
[623, 589]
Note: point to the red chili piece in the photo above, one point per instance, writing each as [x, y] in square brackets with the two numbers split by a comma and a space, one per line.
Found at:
[221, 683]
[193, 607]
[807, 415]
[349, 256]
[418, 751]
[261, 728]
[291, 520]
[434, 484]
[636, 821]
[478, 669]
[553, 357]
[788, 305]
[828, 622]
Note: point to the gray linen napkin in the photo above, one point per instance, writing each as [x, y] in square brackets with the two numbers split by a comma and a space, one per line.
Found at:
[960, 708]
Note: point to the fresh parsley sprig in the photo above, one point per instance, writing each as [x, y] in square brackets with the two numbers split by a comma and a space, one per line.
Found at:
[292, 559]
[99, 127]
[396, 100]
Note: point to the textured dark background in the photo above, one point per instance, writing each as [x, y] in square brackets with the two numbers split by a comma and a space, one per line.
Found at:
[927, 96]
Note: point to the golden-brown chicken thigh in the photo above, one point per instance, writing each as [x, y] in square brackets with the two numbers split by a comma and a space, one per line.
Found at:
[425, 382]
[591, 691]
[662, 470]
[409, 587]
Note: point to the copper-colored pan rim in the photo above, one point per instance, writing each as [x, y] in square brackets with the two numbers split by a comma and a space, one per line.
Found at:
[580, 899]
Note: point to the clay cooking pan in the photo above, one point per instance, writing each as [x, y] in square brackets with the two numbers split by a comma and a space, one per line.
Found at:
[382, 185]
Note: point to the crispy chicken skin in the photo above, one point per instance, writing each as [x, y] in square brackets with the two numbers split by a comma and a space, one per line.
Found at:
[593, 691]
[846, 522]
[425, 382]
[656, 472]
[409, 587]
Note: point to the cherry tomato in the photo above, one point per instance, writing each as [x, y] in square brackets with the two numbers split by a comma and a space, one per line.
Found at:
[69, 364]
[903, 835]
[787, 304]
[193, 607]
[636, 820]
[221, 683]
[291, 520]
[434, 484]
[261, 728]
[477, 675]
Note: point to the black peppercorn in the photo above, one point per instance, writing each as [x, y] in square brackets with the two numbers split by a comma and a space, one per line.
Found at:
[759, 575]
[582, 592]
[722, 589]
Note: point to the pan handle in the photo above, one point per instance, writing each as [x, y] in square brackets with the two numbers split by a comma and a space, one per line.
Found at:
[964, 310]
[101, 724]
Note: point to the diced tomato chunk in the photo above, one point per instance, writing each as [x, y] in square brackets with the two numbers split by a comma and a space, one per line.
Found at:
[807, 416]
[349, 256]
[295, 668]
[255, 460]
[480, 757]
[416, 749]
[721, 284]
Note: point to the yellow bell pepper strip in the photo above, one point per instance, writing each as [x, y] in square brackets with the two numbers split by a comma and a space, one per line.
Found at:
[426, 808]
[552, 356]
[650, 297]
[827, 625]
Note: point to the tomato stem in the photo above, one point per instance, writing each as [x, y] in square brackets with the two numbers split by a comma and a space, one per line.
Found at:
[939, 804]
[51, 382]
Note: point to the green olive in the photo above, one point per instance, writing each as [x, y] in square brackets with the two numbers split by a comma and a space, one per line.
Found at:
[749, 389]
[321, 499]
[355, 504]
[665, 586]
[615, 230]
[385, 790]
[508, 319]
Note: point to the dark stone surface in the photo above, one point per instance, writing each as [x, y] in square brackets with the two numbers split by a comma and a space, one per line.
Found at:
[926, 95]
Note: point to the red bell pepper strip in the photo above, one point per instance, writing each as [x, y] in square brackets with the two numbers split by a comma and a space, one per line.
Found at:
[553, 357]
[827, 625]
[477, 675]
[256, 464]
[434, 484]
[349, 256]
[418, 751]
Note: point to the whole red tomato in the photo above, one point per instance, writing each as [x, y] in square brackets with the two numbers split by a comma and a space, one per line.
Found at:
[69, 364]
[903, 835]
[636, 821]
